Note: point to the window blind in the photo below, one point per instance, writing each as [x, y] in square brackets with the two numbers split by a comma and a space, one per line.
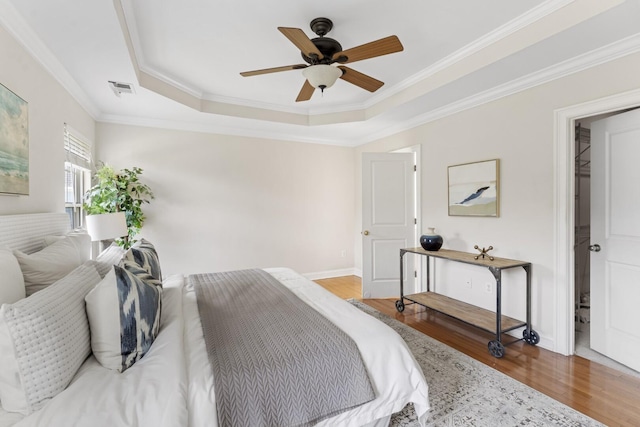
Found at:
[77, 174]
[78, 150]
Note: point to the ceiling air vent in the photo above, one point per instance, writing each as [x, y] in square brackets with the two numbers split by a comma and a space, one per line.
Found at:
[119, 88]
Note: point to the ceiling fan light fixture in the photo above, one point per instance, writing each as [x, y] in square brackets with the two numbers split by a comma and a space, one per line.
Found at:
[321, 76]
[323, 52]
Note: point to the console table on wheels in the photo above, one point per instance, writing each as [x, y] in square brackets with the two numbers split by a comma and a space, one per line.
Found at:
[493, 322]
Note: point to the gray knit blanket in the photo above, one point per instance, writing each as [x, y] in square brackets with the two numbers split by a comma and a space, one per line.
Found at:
[275, 360]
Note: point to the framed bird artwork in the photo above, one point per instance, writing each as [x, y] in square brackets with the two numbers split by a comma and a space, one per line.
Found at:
[474, 188]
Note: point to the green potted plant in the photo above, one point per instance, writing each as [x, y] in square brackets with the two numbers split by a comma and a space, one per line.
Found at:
[119, 192]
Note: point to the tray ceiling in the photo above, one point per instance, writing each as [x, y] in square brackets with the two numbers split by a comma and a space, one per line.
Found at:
[183, 59]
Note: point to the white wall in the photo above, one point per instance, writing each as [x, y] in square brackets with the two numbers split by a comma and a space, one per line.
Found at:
[225, 202]
[230, 202]
[50, 106]
[518, 130]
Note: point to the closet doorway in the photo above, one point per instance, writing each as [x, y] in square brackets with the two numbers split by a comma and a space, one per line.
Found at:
[588, 222]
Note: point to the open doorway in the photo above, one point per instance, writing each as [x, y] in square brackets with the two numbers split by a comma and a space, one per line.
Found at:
[564, 176]
[584, 242]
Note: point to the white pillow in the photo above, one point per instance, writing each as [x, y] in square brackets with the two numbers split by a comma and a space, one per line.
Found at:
[108, 258]
[11, 280]
[52, 263]
[44, 339]
[80, 239]
[124, 316]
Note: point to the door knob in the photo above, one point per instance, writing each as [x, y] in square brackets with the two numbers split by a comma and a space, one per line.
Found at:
[365, 232]
[595, 248]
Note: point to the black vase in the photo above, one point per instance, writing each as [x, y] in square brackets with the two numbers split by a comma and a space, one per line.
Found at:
[431, 241]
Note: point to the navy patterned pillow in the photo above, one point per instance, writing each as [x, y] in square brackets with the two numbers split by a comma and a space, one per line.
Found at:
[138, 297]
[139, 323]
[144, 254]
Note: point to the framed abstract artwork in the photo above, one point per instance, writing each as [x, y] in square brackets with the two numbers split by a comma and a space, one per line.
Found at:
[474, 189]
[14, 143]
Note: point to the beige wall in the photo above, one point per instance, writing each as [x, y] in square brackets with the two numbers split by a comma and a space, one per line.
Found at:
[50, 106]
[518, 130]
[228, 202]
[225, 202]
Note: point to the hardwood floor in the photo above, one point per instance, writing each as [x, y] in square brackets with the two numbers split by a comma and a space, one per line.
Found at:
[602, 393]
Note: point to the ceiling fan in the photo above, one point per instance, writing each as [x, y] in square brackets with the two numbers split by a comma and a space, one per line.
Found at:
[321, 52]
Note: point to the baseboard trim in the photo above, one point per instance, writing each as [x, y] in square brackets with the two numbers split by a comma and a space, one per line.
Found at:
[332, 273]
[545, 342]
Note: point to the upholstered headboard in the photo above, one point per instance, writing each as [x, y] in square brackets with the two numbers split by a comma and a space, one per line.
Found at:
[25, 232]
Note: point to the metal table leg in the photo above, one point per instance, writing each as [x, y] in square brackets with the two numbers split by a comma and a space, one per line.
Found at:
[496, 348]
[400, 302]
[529, 335]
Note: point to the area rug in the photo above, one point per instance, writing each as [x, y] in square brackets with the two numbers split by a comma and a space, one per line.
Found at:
[465, 392]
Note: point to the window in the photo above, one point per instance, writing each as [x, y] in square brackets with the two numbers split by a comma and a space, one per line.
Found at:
[77, 175]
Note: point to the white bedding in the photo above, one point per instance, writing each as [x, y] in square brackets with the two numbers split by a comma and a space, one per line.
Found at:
[151, 393]
[394, 373]
[172, 385]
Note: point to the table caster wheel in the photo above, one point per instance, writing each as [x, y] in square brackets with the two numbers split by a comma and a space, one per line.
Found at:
[399, 306]
[530, 336]
[496, 348]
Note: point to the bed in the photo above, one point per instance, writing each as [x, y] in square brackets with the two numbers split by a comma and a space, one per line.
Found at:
[173, 384]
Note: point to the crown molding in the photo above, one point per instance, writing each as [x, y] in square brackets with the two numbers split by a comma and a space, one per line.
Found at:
[415, 86]
[15, 24]
[254, 104]
[605, 54]
[217, 129]
[127, 16]
[522, 21]
[544, 9]
[165, 78]
[613, 51]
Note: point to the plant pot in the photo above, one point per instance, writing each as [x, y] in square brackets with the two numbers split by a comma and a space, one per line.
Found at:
[431, 241]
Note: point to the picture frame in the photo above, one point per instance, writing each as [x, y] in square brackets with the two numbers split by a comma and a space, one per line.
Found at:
[14, 143]
[474, 189]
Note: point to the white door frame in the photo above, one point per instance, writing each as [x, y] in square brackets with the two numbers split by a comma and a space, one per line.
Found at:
[417, 152]
[564, 210]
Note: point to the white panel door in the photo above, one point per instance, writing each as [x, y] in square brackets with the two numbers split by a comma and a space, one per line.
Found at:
[615, 229]
[388, 221]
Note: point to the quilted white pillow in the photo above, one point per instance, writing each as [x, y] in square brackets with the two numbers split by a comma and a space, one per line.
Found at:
[124, 316]
[80, 238]
[44, 339]
[52, 263]
[12, 282]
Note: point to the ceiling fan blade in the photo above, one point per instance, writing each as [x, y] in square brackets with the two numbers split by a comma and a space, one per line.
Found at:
[360, 80]
[380, 47]
[273, 70]
[305, 92]
[302, 42]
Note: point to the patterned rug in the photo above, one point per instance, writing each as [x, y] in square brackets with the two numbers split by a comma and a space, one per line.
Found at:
[465, 392]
